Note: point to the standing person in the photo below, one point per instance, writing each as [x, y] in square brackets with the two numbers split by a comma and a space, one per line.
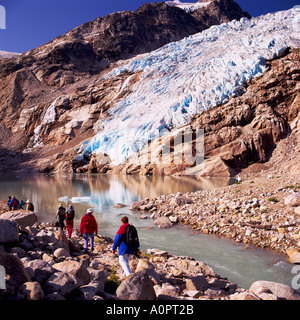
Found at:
[70, 215]
[88, 226]
[8, 203]
[126, 247]
[14, 203]
[29, 206]
[61, 212]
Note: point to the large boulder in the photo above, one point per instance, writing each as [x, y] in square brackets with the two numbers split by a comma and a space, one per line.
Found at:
[281, 291]
[138, 286]
[292, 200]
[9, 231]
[14, 269]
[32, 291]
[163, 222]
[41, 269]
[23, 218]
[198, 283]
[77, 269]
[61, 283]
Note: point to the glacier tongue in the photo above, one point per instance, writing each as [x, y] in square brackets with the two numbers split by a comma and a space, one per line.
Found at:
[190, 76]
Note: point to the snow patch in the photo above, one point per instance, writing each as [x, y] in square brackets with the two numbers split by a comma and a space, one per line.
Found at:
[188, 7]
[48, 117]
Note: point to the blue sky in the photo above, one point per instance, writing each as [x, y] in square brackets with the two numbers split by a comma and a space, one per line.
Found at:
[31, 23]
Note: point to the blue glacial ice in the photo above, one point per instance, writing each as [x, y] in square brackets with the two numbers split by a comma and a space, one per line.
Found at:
[190, 76]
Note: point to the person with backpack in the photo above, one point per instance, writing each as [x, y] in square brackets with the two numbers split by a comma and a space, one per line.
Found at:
[29, 206]
[70, 215]
[88, 226]
[14, 203]
[61, 212]
[127, 241]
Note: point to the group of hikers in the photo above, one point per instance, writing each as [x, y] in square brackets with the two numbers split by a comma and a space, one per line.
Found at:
[14, 204]
[126, 238]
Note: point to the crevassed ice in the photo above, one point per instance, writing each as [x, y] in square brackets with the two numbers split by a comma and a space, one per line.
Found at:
[190, 76]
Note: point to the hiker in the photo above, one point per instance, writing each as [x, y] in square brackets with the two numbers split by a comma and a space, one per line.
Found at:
[8, 203]
[14, 203]
[70, 214]
[126, 250]
[21, 204]
[61, 212]
[29, 206]
[88, 226]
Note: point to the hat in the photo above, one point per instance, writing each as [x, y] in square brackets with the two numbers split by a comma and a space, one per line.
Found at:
[90, 210]
[70, 206]
[28, 201]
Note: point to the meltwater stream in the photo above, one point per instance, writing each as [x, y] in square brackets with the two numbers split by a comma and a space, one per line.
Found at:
[240, 264]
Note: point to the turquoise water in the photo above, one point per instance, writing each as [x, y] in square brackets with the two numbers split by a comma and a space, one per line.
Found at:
[238, 263]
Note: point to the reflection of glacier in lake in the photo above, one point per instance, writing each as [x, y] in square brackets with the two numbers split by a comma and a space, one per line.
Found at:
[103, 199]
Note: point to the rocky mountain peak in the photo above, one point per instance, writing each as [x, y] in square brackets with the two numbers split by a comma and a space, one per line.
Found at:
[69, 67]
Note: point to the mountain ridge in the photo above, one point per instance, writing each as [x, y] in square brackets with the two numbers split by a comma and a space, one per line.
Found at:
[52, 104]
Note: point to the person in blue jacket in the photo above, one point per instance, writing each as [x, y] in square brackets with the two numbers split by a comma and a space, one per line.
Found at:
[14, 203]
[125, 252]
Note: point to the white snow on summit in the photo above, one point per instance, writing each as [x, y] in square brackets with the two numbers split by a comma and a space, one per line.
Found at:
[188, 7]
[190, 76]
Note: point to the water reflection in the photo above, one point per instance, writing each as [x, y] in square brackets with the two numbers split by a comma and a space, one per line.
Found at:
[102, 192]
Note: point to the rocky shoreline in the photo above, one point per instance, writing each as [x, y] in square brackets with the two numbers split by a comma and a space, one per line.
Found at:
[264, 212]
[40, 263]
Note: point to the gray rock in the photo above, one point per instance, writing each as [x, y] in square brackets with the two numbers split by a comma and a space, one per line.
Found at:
[295, 257]
[136, 205]
[163, 222]
[46, 236]
[21, 217]
[61, 252]
[198, 283]
[42, 269]
[32, 291]
[282, 291]
[138, 286]
[9, 231]
[14, 269]
[98, 275]
[90, 290]
[62, 283]
[77, 269]
[292, 200]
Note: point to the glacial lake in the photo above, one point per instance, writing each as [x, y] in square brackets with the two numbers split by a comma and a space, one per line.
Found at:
[239, 263]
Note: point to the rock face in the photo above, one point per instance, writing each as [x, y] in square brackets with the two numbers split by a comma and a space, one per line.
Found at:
[32, 117]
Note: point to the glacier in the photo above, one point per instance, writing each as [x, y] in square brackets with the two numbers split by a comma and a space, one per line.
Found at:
[188, 77]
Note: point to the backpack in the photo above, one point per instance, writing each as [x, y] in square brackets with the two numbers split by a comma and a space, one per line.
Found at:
[70, 214]
[131, 237]
[89, 222]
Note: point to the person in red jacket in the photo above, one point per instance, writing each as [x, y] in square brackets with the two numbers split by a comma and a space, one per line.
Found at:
[88, 226]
